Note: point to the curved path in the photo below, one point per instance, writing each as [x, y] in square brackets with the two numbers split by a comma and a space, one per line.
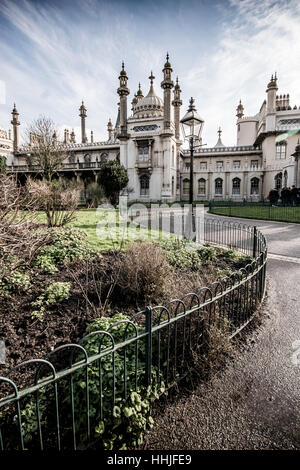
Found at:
[255, 402]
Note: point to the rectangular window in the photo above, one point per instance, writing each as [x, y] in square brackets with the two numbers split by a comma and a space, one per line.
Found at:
[219, 165]
[254, 163]
[187, 166]
[281, 150]
[203, 166]
[236, 164]
[202, 187]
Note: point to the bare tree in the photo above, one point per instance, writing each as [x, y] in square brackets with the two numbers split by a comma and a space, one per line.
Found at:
[42, 135]
[19, 237]
[58, 199]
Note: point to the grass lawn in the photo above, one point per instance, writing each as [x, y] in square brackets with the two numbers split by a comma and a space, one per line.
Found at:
[282, 214]
[106, 230]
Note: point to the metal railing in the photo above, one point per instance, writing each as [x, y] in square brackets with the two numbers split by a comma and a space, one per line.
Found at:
[76, 385]
[257, 210]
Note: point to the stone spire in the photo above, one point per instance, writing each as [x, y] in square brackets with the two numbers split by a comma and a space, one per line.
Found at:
[123, 92]
[240, 110]
[167, 84]
[271, 104]
[72, 136]
[219, 143]
[15, 122]
[134, 102]
[139, 93]
[177, 102]
[82, 114]
[110, 130]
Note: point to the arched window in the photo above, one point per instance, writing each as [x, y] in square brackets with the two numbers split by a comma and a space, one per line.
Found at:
[219, 186]
[278, 181]
[186, 186]
[143, 152]
[254, 188]
[144, 181]
[173, 156]
[236, 186]
[87, 158]
[281, 150]
[103, 157]
[118, 157]
[201, 187]
[173, 185]
[285, 176]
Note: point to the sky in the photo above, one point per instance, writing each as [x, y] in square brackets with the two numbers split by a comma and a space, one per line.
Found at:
[56, 53]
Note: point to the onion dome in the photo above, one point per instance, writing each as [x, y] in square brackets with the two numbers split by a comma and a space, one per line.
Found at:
[150, 105]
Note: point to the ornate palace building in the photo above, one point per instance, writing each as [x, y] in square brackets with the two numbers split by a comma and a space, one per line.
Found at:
[147, 142]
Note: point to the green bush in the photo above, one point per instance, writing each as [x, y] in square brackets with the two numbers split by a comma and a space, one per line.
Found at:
[66, 244]
[184, 254]
[15, 282]
[53, 294]
[124, 421]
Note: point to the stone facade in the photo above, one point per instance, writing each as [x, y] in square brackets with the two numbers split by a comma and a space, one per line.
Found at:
[147, 142]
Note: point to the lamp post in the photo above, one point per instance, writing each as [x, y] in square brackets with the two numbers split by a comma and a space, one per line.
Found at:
[192, 125]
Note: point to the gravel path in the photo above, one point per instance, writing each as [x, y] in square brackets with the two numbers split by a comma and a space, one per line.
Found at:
[255, 402]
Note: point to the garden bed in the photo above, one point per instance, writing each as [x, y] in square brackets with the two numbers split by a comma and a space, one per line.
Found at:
[36, 318]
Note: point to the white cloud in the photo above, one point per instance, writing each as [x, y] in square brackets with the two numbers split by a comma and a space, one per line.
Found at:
[261, 38]
[75, 54]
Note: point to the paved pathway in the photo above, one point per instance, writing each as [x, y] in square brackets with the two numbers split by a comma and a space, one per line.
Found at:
[255, 402]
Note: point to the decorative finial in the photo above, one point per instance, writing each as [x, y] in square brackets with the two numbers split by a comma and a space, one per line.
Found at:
[219, 132]
[167, 56]
[122, 65]
[151, 78]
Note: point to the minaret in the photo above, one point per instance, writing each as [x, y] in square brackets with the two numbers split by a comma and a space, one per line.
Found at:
[110, 130]
[15, 122]
[123, 92]
[167, 85]
[271, 104]
[73, 139]
[134, 102]
[54, 138]
[83, 115]
[240, 110]
[139, 93]
[177, 102]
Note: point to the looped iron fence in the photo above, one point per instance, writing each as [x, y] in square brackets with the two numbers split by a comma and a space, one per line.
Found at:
[77, 384]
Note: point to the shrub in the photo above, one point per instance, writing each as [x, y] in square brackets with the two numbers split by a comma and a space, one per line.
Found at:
[2, 164]
[66, 244]
[94, 194]
[113, 178]
[53, 294]
[20, 238]
[186, 255]
[56, 199]
[15, 282]
[144, 273]
[123, 422]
